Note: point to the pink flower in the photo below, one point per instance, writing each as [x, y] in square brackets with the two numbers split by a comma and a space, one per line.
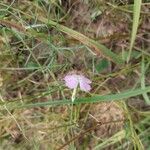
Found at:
[73, 80]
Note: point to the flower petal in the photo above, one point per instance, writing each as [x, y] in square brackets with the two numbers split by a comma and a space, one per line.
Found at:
[71, 81]
[84, 79]
[84, 86]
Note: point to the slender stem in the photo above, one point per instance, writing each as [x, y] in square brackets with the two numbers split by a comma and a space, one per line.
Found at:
[74, 94]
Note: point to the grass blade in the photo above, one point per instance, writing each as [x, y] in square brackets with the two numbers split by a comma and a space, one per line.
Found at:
[93, 99]
[97, 48]
[136, 17]
[143, 70]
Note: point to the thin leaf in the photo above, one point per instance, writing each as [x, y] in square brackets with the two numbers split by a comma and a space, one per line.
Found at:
[143, 69]
[136, 17]
[93, 99]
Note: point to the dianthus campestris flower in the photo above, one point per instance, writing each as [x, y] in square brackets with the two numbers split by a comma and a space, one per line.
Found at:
[73, 81]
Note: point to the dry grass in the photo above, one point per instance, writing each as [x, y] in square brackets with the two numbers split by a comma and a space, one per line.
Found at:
[35, 55]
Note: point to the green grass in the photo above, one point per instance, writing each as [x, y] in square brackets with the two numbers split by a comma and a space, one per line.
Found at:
[42, 41]
[136, 20]
[92, 99]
